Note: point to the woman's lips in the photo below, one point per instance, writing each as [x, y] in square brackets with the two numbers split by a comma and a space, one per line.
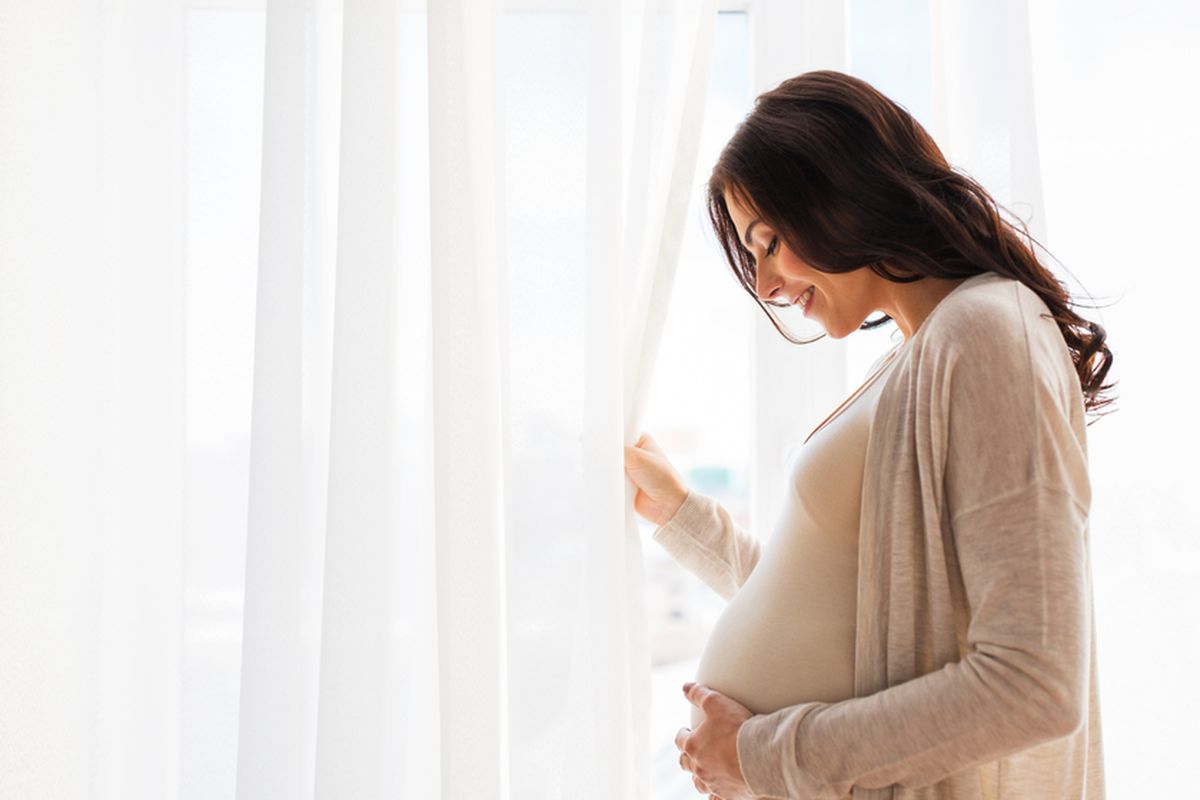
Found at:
[807, 298]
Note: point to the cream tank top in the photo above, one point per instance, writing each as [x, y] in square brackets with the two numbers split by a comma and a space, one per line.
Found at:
[787, 636]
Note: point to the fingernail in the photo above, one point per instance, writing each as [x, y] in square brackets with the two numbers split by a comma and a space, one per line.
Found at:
[687, 687]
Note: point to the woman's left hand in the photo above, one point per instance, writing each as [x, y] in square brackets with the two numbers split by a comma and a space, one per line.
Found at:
[710, 751]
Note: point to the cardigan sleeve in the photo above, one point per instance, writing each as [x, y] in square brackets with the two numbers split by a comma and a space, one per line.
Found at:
[1016, 496]
[703, 537]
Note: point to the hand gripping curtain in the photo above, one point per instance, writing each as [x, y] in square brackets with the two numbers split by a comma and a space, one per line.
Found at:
[444, 586]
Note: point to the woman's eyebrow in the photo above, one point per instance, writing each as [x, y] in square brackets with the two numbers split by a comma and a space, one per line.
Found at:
[749, 228]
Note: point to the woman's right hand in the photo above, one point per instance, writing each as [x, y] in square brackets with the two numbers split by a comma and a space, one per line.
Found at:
[661, 489]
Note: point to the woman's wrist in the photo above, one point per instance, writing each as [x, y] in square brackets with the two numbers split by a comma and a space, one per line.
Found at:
[671, 512]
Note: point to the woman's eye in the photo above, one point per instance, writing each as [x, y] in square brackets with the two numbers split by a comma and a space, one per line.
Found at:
[773, 247]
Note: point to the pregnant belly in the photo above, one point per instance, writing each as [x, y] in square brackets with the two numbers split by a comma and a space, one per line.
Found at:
[786, 637]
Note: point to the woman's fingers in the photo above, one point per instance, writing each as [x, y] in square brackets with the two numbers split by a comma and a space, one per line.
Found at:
[635, 459]
[650, 443]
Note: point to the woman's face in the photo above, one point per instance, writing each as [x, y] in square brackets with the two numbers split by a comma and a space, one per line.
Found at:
[841, 302]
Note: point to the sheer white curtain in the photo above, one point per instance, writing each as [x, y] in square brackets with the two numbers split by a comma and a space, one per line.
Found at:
[429, 664]
[461, 281]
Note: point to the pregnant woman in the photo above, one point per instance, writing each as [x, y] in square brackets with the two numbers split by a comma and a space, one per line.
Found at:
[919, 621]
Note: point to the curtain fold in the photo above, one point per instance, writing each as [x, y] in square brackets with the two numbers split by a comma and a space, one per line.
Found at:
[470, 411]
[354, 715]
[277, 709]
[626, 311]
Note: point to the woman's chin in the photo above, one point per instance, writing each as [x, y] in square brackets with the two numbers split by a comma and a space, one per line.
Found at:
[834, 332]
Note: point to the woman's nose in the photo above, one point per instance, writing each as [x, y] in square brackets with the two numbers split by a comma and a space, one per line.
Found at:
[767, 286]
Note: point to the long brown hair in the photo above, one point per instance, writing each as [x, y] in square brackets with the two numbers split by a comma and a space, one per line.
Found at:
[851, 180]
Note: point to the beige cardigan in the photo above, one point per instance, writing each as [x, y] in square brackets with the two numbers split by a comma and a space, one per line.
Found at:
[975, 669]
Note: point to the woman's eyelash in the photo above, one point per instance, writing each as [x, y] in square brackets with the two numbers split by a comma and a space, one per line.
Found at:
[771, 248]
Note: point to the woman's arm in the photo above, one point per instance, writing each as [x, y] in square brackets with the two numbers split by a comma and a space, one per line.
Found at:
[703, 537]
[1008, 417]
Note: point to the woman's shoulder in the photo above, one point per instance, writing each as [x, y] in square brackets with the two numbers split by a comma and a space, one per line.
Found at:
[995, 323]
[988, 300]
[989, 311]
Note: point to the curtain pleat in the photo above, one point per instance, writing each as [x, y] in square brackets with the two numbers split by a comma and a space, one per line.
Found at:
[277, 712]
[469, 417]
[362, 518]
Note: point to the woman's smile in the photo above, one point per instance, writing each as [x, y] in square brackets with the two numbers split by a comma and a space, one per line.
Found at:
[807, 298]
